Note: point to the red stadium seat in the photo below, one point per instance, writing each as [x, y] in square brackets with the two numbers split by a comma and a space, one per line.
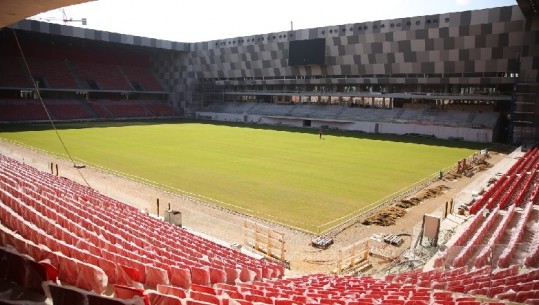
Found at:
[125, 292]
[156, 298]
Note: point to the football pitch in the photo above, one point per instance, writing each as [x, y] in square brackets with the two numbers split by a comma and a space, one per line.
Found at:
[286, 175]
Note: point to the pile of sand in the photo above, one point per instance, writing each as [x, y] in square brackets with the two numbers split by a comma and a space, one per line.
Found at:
[385, 217]
[425, 195]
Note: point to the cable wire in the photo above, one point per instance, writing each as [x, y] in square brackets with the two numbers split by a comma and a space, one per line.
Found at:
[47, 110]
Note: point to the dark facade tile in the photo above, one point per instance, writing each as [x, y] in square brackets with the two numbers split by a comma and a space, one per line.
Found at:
[449, 43]
[410, 57]
[377, 47]
[497, 53]
[465, 18]
[390, 58]
[480, 41]
[346, 69]
[449, 67]
[513, 65]
[469, 66]
[506, 13]
[352, 40]
[444, 32]
[503, 39]
[404, 46]
[341, 50]
[464, 31]
[429, 44]
[421, 34]
[486, 28]
[427, 67]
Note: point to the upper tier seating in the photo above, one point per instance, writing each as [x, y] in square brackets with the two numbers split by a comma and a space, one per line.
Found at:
[54, 72]
[106, 77]
[12, 73]
[64, 74]
[143, 76]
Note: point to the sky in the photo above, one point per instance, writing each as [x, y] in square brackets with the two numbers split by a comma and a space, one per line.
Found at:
[206, 20]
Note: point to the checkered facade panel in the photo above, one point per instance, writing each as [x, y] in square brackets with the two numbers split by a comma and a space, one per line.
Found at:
[482, 41]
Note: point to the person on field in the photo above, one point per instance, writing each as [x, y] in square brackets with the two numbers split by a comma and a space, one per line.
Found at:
[320, 133]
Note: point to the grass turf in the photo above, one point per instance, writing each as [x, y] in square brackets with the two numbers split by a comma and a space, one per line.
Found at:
[286, 175]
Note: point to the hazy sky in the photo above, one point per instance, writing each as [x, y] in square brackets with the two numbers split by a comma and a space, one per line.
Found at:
[204, 20]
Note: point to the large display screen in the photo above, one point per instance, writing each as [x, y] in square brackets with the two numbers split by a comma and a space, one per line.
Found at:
[307, 52]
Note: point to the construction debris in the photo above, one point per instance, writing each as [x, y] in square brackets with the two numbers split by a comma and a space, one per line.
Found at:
[466, 167]
[386, 217]
[322, 242]
[469, 167]
[427, 194]
[394, 240]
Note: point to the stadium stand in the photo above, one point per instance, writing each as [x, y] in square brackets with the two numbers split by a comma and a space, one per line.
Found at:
[88, 239]
[61, 294]
[271, 109]
[126, 109]
[142, 76]
[101, 76]
[53, 72]
[17, 76]
[312, 111]
[75, 245]
[100, 109]
[158, 108]
[367, 114]
[21, 110]
[132, 108]
[17, 110]
[69, 73]
[233, 107]
[506, 284]
[92, 242]
[512, 181]
[496, 254]
[66, 109]
[343, 113]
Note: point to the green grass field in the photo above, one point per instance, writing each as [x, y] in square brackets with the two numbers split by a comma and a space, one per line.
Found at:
[282, 174]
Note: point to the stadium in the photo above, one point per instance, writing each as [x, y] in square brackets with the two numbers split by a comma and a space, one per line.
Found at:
[381, 162]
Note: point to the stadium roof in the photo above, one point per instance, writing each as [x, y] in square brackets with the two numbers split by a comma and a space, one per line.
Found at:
[15, 10]
[76, 32]
[13, 13]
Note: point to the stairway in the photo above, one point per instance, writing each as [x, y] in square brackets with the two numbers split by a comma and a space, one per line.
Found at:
[75, 75]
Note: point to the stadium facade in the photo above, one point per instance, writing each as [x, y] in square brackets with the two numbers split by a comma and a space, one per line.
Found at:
[469, 75]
